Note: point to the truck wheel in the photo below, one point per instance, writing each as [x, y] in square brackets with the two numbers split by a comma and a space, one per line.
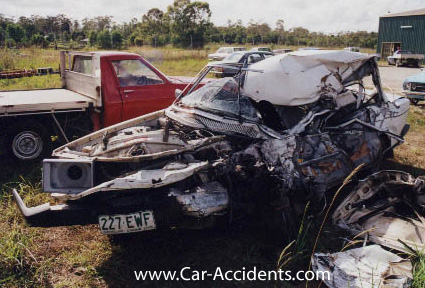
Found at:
[27, 143]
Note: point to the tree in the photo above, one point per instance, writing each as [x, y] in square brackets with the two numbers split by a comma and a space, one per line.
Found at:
[188, 23]
[104, 39]
[92, 38]
[155, 27]
[89, 25]
[39, 40]
[28, 25]
[2, 36]
[117, 40]
[103, 22]
[15, 32]
[258, 33]
[280, 31]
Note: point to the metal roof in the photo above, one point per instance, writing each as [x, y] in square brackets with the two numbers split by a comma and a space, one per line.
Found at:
[301, 77]
[406, 13]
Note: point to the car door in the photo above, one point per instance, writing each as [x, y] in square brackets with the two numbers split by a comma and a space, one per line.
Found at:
[142, 89]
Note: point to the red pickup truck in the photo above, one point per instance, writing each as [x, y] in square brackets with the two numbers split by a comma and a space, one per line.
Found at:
[98, 89]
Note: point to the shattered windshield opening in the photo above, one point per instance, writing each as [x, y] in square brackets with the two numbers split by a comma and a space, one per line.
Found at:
[359, 74]
[221, 96]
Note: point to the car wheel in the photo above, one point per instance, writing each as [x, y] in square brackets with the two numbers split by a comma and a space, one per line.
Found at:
[397, 63]
[27, 143]
[414, 101]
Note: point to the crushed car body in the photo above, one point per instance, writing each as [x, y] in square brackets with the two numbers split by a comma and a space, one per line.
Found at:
[283, 130]
[383, 205]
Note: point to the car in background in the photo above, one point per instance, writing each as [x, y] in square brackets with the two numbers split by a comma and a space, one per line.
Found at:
[352, 49]
[308, 48]
[405, 57]
[230, 65]
[265, 49]
[223, 52]
[282, 51]
[414, 87]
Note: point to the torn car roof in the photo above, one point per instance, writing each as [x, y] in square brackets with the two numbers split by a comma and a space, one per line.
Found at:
[300, 77]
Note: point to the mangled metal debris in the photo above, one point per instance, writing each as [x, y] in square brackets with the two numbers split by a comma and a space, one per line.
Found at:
[387, 205]
[230, 142]
[366, 267]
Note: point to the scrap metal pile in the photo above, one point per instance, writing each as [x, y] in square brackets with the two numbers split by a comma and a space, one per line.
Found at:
[386, 208]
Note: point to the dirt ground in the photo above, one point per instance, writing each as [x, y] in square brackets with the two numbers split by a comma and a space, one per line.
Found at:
[392, 77]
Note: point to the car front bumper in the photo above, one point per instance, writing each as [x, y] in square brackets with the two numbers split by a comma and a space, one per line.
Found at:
[414, 95]
[195, 208]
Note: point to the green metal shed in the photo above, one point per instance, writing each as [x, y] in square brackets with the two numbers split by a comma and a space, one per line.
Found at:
[405, 30]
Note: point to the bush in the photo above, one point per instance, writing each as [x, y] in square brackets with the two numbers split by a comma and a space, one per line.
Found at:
[117, 40]
[138, 41]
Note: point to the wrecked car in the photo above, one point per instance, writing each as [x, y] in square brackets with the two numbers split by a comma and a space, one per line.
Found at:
[384, 204]
[281, 131]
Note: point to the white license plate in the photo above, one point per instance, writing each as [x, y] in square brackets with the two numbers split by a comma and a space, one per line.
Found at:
[127, 223]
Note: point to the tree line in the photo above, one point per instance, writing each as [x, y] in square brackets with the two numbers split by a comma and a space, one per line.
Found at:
[184, 24]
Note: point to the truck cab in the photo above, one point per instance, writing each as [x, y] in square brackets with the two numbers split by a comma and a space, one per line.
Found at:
[99, 89]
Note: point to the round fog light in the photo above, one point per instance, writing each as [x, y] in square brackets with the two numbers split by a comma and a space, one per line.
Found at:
[75, 172]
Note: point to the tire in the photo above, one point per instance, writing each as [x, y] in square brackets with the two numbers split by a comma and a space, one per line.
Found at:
[27, 142]
[414, 101]
[397, 63]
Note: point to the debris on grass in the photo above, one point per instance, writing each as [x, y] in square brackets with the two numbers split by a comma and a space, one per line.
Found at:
[366, 267]
[386, 204]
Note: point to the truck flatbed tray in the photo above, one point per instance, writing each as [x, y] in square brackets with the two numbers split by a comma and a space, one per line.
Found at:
[19, 101]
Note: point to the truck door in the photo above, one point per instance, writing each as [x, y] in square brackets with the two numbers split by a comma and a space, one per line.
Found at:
[142, 89]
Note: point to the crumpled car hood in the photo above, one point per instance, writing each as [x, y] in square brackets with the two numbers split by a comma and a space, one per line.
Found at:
[300, 78]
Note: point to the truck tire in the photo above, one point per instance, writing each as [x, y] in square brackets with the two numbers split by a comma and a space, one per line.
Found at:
[27, 142]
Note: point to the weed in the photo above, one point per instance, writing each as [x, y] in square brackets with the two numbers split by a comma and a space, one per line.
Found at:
[19, 266]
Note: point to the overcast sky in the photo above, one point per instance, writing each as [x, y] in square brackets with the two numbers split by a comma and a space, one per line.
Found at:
[316, 15]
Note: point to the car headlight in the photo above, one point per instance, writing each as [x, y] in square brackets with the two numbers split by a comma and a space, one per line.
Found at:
[413, 86]
[406, 86]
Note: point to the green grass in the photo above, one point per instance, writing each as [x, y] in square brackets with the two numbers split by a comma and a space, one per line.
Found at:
[416, 118]
[19, 266]
[419, 270]
[35, 82]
